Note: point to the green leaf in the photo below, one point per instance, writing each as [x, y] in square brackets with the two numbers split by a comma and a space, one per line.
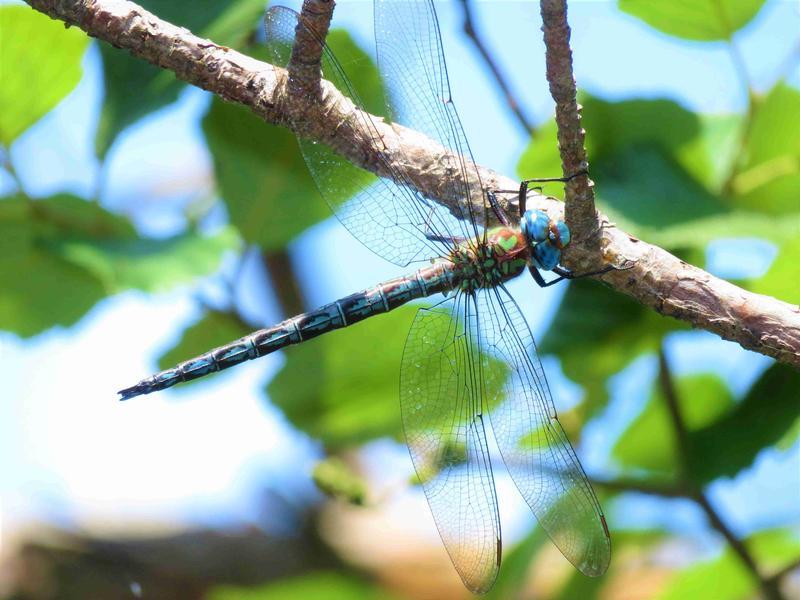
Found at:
[766, 414]
[516, 566]
[75, 252]
[40, 63]
[135, 88]
[597, 332]
[649, 442]
[768, 180]
[703, 20]
[726, 578]
[261, 176]
[660, 171]
[342, 388]
[214, 329]
[106, 244]
[784, 273]
[335, 478]
[319, 585]
[41, 290]
[150, 264]
[261, 173]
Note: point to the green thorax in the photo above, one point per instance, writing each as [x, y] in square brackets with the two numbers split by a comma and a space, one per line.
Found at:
[503, 256]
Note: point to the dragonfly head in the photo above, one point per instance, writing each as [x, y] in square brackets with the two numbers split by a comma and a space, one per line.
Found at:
[545, 237]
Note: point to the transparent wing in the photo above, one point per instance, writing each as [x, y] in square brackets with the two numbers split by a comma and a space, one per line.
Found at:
[440, 398]
[385, 214]
[412, 64]
[533, 444]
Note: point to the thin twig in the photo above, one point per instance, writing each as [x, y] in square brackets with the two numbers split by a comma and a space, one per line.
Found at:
[769, 587]
[304, 67]
[640, 487]
[284, 282]
[524, 120]
[658, 279]
[581, 215]
[785, 570]
[667, 383]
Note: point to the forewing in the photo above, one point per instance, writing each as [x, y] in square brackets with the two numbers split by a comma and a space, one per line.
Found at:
[440, 398]
[533, 444]
[412, 64]
[388, 216]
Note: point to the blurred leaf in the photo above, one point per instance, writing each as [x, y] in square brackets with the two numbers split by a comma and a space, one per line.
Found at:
[658, 169]
[318, 585]
[703, 20]
[74, 252]
[150, 264]
[766, 414]
[40, 63]
[342, 388]
[516, 566]
[335, 478]
[214, 329]
[261, 173]
[781, 281]
[41, 290]
[725, 578]
[106, 244]
[597, 332]
[261, 176]
[649, 441]
[646, 194]
[769, 179]
[135, 88]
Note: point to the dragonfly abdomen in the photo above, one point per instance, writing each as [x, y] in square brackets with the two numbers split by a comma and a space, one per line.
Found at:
[348, 310]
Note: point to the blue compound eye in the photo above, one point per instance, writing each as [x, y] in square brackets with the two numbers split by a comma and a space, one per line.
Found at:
[546, 256]
[563, 233]
[535, 225]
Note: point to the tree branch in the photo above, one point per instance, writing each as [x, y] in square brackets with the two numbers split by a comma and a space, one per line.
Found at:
[304, 66]
[657, 279]
[581, 215]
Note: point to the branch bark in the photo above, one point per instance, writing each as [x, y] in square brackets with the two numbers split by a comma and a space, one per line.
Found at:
[581, 215]
[657, 279]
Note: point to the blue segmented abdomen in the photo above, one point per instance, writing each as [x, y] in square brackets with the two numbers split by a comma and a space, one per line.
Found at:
[346, 311]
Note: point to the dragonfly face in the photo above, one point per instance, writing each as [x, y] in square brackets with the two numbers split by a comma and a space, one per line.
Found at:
[545, 237]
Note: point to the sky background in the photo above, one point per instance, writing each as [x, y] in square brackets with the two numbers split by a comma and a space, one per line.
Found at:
[73, 455]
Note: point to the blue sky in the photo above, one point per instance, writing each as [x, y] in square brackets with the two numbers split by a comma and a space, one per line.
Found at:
[71, 452]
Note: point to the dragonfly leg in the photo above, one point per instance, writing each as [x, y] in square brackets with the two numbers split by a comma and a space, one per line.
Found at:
[567, 274]
[502, 216]
[524, 186]
[540, 281]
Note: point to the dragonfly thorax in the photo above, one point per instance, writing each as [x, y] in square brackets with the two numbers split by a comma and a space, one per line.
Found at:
[545, 238]
[502, 256]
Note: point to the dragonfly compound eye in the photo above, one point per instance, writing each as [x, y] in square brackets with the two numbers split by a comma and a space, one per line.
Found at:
[546, 256]
[535, 225]
[559, 234]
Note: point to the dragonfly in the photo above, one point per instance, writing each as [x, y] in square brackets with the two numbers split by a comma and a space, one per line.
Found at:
[470, 364]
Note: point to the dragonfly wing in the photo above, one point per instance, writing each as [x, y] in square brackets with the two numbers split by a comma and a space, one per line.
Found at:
[533, 444]
[440, 397]
[388, 216]
[412, 63]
